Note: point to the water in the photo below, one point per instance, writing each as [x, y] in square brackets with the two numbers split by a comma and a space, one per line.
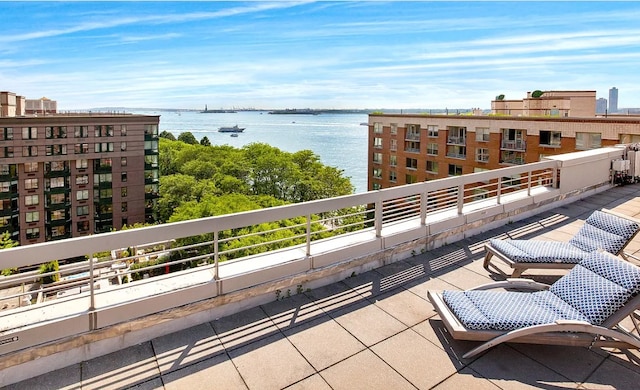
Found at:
[338, 139]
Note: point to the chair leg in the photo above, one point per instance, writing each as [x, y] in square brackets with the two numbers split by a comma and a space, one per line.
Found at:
[487, 259]
[517, 272]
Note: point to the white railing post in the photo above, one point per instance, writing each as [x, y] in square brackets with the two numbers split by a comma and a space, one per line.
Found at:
[378, 217]
[460, 201]
[529, 183]
[93, 321]
[216, 256]
[423, 208]
[308, 234]
[499, 190]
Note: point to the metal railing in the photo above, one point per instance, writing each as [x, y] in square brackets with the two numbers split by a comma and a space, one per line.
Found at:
[206, 251]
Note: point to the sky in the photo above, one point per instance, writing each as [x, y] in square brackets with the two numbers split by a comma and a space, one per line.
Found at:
[315, 54]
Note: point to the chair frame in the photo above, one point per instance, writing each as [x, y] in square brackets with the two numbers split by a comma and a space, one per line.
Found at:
[519, 267]
[567, 333]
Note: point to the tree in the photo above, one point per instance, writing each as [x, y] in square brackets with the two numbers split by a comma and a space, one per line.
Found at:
[188, 138]
[205, 141]
[51, 266]
[5, 243]
[167, 135]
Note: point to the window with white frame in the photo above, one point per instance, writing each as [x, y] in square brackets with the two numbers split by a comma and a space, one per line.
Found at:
[377, 127]
[482, 154]
[432, 148]
[393, 160]
[432, 166]
[31, 200]
[377, 173]
[377, 158]
[432, 131]
[377, 143]
[550, 138]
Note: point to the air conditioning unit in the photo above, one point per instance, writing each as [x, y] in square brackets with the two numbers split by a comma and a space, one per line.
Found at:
[621, 165]
[634, 159]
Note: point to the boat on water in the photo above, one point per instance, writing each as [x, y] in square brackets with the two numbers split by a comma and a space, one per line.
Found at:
[233, 129]
[234, 134]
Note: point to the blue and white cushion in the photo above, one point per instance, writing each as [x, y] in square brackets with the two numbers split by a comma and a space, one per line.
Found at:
[592, 291]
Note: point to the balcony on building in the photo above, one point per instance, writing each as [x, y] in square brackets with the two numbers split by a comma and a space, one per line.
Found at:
[175, 302]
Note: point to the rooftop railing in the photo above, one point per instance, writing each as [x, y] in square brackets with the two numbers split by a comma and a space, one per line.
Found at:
[159, 268]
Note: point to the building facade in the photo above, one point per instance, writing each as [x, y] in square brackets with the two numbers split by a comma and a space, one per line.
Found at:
[65, 176]
[409, 148]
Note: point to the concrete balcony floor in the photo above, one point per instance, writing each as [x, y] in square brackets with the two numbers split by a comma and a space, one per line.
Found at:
[370, 331]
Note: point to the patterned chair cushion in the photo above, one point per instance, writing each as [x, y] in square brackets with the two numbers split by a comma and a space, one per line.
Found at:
[610, 223]
[537, 251]
[500, 310]
[592, 291]
[598, 286]
[589, 238]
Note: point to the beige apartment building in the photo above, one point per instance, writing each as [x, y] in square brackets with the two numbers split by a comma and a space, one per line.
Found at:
[71, 175]
[409, 148]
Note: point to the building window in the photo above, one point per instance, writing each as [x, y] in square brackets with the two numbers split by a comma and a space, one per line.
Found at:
[6, 133]
[32, 216]
[103, 147]
[29, 133]
[124, 207]
[588, 141]
[82, 226]
[394, 144]
[629, 138]
[432, 131]
[393, 176]
[8, 152]
[57, 198]
[32, 233]
[105, 163]
[31, 200]
[30, 167]
[455, 170]
[410, 179]
[482, 154]
[393, 160]
[56, 150]
[482, 134]
[412, 146]
[511, 181]
[432, 148]
[5, 186]
[82, 210]
[58, 215]
[104, 131]
[377, 158]
[57, 182]
[377, 173]
[513, 139]
[81, 164]
[123, 192]
[511, 157]
[81, 131]
[151, 130]
[413, 132]
[31, 184]
[123, 161]
[123, 130]
[123, 146]
[394, 128]
[82, 194]
[4, 169]
[29, 151]
[82, 179]
[412, 163]
[457, 151]
[102, 178]
[123, 177]
[58, 231]
[376, 186]
[377, 143]
[550, 138]
[377, 127]
[55, 132]
[81, 148]
[432, 166]
[457, 135]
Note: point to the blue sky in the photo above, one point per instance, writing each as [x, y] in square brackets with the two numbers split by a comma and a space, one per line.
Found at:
[315, 54]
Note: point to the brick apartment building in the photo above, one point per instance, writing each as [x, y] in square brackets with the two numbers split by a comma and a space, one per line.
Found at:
[409, 148]
[71, 175]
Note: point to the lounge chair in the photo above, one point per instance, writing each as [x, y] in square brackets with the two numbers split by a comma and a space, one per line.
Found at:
[582, 308]
[603, 230]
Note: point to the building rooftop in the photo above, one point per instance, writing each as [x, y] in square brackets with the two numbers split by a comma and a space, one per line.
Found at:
[374, 330]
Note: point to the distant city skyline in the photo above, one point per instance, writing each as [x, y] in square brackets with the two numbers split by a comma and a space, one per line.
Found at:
[343, 55]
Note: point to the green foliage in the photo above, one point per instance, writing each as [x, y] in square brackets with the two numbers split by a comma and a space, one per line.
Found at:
[50, 267]
[5, 243]
[205, 141]
[167, 135]
[500, 97]
[188, 138]
[537, 93]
